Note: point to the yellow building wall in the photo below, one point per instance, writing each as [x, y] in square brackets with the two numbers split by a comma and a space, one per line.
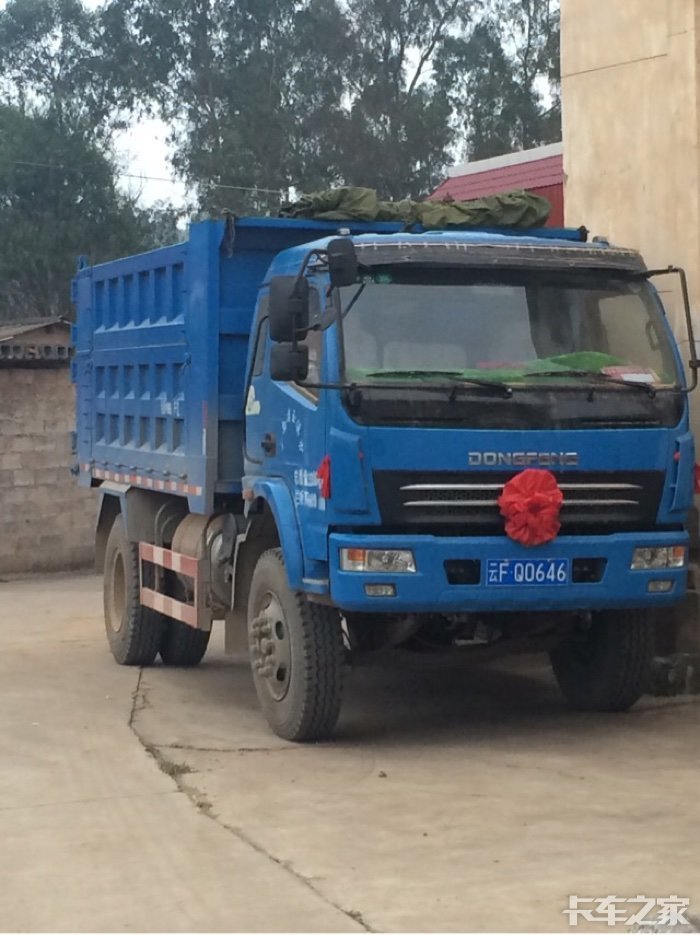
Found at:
[630, 99]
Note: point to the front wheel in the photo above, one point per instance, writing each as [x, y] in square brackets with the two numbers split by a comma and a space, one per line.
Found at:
[296, 655]
[605, 665]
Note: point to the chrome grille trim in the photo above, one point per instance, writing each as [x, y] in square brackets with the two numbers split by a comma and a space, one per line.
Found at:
[481, 503]
[601, 486]
[450, 503]
[611, 502]
[428, 487]
[593, 500]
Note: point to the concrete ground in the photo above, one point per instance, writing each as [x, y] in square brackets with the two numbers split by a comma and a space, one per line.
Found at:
[455, 797]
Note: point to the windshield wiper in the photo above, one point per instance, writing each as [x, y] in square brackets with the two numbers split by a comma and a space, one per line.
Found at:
[595, 378]
[413, 373]
[454, 376]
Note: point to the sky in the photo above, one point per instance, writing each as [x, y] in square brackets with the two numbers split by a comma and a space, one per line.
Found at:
[142, 151]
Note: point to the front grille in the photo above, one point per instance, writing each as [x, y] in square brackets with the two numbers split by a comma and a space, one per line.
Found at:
[593, 502]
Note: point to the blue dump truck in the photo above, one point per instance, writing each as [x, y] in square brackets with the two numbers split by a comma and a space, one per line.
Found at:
[342, 437]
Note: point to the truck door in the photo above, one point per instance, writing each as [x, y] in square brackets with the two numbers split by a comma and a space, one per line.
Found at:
[285, 422]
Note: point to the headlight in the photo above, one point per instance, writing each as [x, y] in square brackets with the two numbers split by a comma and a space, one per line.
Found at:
[664, 557]
[392, 561]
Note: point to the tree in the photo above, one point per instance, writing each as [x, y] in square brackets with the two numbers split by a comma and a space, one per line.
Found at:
[252, 90]
[57, 59]
[531, 37]
[58, 200]
[265, 95]
[397, 135]
[503, 79]
[272, 94]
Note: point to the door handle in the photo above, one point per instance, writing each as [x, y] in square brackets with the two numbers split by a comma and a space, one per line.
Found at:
[269, 444]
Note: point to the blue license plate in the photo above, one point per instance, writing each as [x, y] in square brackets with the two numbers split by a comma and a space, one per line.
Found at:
[521, 572]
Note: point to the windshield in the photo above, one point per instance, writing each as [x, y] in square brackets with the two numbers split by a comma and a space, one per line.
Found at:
[527, 329]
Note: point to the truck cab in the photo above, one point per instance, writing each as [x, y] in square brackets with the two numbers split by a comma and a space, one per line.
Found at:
[450, 364]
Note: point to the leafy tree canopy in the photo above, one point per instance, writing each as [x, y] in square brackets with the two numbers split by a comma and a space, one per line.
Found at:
[308, 93]
[58, 200]
[57, 57]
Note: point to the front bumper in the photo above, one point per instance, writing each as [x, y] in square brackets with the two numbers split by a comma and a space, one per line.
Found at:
[428, 589]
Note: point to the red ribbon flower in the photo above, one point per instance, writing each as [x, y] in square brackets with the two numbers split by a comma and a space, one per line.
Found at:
[531, 502]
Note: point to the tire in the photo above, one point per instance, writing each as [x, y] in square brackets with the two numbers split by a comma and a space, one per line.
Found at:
[133, 632]
[607, 666]
[182, 645]
[296, 655]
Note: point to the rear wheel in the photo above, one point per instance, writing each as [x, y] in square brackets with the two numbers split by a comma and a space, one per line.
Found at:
[182, 645]
[606, 664]
[133, 632]
[296, 655]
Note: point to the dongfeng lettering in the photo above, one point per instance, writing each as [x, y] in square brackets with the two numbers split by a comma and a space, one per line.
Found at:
[523, 459]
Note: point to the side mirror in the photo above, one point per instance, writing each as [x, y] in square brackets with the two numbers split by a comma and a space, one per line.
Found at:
[289, 308]
[343, 267]
[289, 364]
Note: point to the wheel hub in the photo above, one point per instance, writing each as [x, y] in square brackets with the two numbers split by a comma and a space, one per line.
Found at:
[270, 647]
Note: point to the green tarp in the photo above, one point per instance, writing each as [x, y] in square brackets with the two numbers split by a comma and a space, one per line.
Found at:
[513, 209]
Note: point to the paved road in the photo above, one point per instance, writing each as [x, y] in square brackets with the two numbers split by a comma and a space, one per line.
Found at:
[456, 797]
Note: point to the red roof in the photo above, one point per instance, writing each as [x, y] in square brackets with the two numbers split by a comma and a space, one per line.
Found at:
[491, 176]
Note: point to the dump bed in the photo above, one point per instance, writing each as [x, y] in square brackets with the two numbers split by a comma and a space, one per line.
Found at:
[161, 342]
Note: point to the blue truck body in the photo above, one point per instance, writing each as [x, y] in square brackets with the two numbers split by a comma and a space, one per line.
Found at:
[174, 398]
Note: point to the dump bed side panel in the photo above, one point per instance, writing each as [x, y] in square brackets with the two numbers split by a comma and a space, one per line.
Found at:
[134, 373]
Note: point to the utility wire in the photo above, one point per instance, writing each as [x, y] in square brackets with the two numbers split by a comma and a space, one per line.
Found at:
[149, 178]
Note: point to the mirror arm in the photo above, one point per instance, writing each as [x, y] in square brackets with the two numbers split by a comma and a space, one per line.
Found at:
[300, 275]
[693, 363]
[305, 265]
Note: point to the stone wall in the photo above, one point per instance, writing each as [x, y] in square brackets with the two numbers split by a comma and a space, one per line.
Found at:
[46, 520]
